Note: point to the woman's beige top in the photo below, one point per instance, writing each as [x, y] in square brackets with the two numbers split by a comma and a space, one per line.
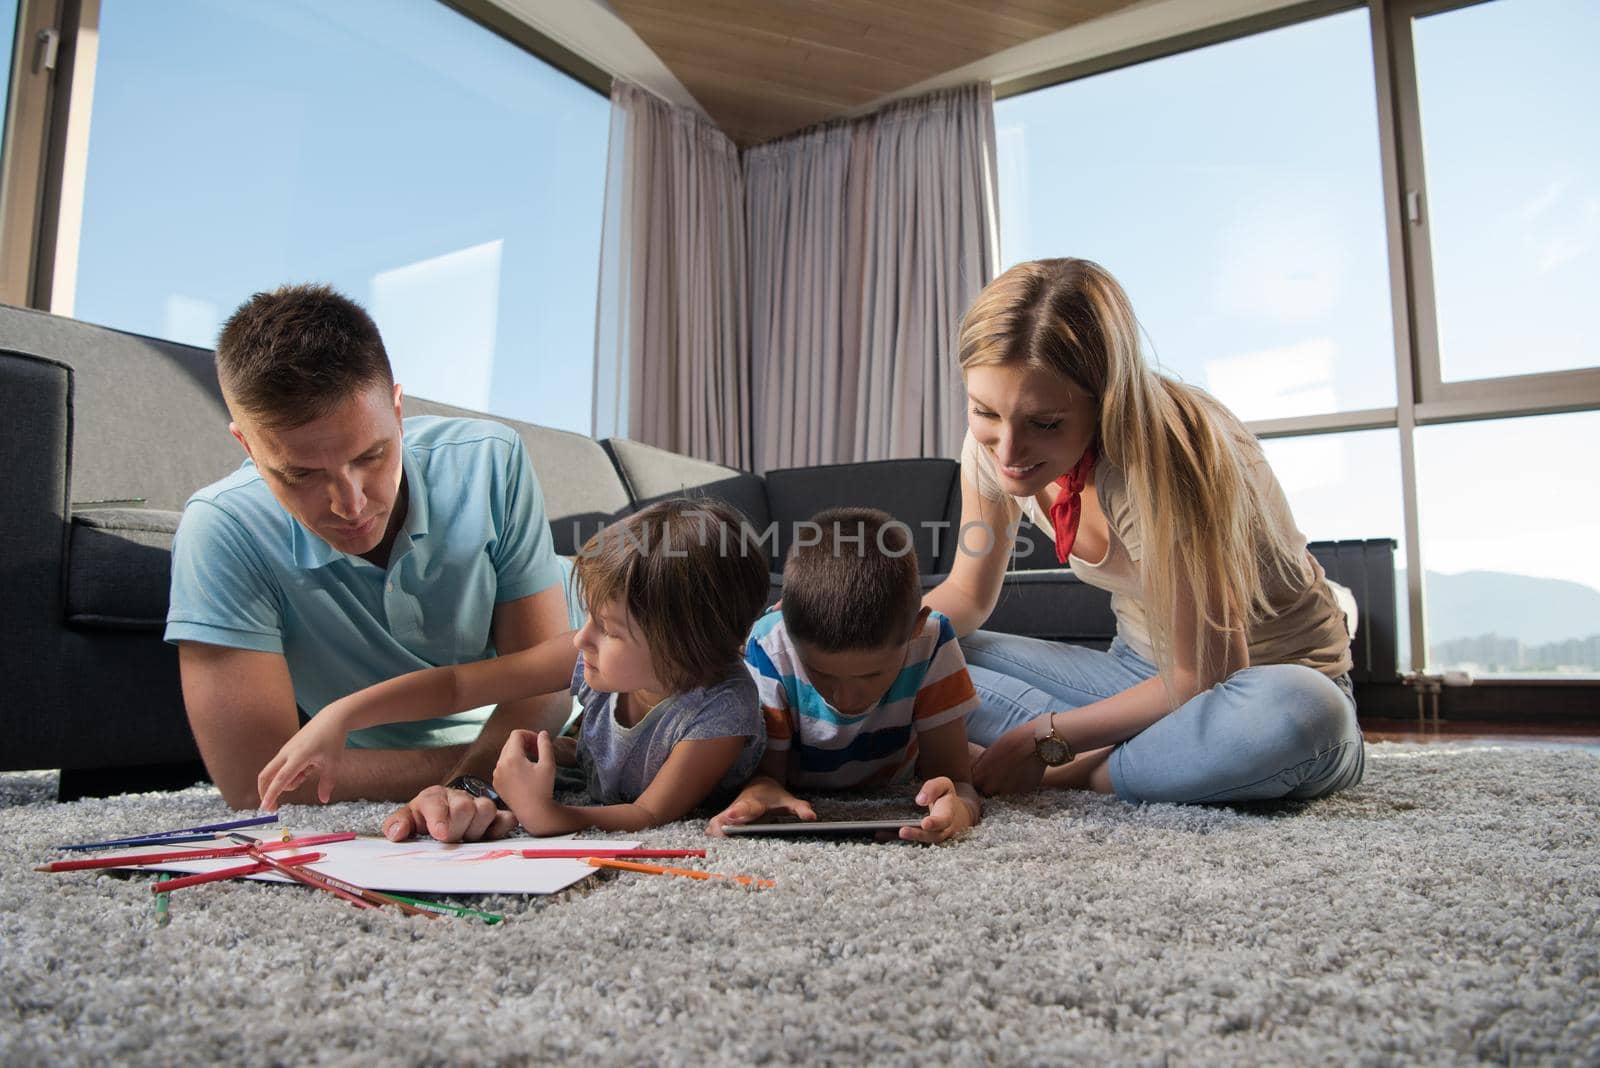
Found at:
[1307, 626]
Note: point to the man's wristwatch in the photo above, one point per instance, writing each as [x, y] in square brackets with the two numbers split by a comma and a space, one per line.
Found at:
[1053, 749]
[477, 788]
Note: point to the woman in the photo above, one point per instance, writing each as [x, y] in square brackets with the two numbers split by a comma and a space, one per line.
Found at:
[1229, 676]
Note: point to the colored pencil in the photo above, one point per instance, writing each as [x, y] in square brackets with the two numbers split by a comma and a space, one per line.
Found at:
[616, 854]
[295, 872]
[156, 837]
[161, 888]
[253, 868]
[445, 906]
[651, 869]
[134, 860]
[357, 895]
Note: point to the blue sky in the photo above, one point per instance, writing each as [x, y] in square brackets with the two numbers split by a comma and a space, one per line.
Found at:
[443, 177]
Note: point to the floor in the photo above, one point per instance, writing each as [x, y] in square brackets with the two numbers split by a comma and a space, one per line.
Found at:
[1482, 732]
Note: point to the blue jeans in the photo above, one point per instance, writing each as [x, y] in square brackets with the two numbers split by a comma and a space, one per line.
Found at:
[1274, 731]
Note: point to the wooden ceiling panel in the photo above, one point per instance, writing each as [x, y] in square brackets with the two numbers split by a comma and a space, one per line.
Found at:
[766, 68]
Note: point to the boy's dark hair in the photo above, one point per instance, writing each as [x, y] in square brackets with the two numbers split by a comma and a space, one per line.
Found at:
[856, 588]
[690, 578]
[290, 356]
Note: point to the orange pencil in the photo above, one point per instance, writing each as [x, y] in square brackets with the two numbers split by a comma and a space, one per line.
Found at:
[651, 869]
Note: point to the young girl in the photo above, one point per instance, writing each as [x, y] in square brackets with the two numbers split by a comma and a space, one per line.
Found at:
[1229, 675]
[670, 715]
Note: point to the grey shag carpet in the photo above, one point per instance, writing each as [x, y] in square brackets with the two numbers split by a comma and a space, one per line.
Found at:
[1445, 911]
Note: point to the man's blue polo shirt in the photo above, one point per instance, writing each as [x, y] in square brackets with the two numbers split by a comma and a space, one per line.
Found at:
[247, 575]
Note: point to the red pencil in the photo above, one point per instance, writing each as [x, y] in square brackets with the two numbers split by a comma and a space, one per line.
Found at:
[356, 895]
[133, 860]
[253, 868]
[625, 854]
[294, 872]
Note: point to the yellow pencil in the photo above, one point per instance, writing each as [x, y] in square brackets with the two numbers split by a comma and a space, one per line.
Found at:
[651, 869]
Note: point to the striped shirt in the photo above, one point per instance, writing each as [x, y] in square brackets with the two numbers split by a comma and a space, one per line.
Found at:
[831, 751]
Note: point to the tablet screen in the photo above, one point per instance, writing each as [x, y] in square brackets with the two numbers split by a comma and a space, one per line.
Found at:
[824, 827]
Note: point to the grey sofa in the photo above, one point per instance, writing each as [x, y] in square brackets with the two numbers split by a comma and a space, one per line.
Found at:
[104, 434]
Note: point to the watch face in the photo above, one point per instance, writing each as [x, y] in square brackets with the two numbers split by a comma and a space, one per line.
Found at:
[1052, 750]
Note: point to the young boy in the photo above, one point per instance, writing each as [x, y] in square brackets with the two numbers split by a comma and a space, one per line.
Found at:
[860, 685]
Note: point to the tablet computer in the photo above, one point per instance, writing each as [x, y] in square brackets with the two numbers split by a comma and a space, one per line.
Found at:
[852, 828]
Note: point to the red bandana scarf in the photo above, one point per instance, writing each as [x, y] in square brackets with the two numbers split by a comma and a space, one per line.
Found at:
[1068, 507]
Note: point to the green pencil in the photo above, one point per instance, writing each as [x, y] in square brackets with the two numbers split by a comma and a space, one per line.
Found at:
[456, 910]
[162, 915]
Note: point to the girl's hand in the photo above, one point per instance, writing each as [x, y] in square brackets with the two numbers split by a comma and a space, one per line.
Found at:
[948, 812]
[316, 747]
[525, 774]
[1011, 765]
[755, 801]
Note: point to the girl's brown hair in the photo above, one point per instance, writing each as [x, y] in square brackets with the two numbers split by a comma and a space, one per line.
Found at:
[690, 577]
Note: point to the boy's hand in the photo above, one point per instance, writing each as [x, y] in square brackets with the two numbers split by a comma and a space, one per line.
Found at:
[948, 812]
[755, 801]
[316, 747]
[526, 774]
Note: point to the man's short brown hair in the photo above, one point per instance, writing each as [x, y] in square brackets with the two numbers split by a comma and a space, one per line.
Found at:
[855, 588]
[293, 355]
[690, 577]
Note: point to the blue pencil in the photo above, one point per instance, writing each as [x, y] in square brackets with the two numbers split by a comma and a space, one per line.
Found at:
[194, 834]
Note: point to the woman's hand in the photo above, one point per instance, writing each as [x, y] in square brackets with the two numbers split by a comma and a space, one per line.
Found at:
[761, 796]
[315, 748]
[1011, 765]
[949, 813]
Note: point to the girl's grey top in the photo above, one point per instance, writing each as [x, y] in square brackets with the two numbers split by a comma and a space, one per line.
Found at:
[620, 762]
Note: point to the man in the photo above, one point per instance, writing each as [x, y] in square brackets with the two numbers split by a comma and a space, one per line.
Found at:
[350, 548]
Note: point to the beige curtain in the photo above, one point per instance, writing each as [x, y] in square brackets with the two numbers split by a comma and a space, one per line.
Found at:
[672, 330]
[867, 242]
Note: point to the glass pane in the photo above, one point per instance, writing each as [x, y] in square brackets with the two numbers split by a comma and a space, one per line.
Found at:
[1510, 522]
[1348, 486]
[8, 38]
[1236, 192]
[1512, 154]
[396, 150]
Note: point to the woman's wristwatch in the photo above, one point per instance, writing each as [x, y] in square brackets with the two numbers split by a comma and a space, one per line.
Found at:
[1051, 748]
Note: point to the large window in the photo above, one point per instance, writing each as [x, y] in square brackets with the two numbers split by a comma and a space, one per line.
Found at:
[446, 179]
[1511, 148]
[1246, 225]
[1510, 522]
[1238, 191]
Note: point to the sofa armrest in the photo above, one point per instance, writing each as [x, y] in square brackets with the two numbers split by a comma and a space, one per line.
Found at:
[35, 455]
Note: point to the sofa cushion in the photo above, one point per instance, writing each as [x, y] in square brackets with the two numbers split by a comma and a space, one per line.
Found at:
[651, 474]
[1056, 605]
[582, 490]
[119, 568]
[916, 492]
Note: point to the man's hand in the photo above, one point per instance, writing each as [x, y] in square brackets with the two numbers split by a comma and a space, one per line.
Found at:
[1011, 765]
[761, 796]
[949, 813]
[449, 816]
[316, 747]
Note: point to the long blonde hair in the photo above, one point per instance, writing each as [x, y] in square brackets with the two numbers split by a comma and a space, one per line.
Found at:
[1185, 457]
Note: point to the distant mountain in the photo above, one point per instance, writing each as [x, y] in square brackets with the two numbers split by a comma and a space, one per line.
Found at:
[1477, 603]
